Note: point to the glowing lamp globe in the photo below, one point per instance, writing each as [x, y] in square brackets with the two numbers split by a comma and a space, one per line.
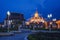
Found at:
[8, 13]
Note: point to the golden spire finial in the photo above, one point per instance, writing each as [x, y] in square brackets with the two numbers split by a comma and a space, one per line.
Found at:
[36, 13]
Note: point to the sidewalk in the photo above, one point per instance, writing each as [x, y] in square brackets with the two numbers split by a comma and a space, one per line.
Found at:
[6, 33]
[16, 32]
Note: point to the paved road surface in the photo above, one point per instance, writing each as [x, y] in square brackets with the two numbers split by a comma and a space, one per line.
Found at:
[20, 36]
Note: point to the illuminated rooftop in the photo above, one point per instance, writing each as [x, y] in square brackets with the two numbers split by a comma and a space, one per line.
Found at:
[36, 18]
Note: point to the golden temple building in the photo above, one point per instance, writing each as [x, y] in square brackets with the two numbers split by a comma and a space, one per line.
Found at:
[36, 19]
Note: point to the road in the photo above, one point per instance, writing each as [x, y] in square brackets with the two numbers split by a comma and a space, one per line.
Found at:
[20, 36]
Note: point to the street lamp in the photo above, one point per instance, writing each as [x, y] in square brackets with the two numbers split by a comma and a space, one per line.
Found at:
[49, 16]
[8, 13]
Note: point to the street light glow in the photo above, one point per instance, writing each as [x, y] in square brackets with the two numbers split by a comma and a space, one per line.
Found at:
[8, 13]
[49, 15]
[54, 19]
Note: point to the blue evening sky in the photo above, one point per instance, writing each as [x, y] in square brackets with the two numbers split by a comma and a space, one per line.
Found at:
[28, 7]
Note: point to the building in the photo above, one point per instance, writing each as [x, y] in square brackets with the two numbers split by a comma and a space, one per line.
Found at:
[1, 24]
[36, 21]
[53, 25]
[58, 23]
[14, 20]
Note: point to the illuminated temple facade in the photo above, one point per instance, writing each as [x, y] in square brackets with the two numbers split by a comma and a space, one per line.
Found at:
[36, 19]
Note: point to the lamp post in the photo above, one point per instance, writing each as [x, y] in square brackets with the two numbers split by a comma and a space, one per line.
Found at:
[8, 13]
[49, 16]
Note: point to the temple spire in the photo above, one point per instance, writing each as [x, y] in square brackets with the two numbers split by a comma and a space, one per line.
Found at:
[36, 13]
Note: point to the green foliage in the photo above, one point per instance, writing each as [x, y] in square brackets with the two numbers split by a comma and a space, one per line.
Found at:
[44, 36]
[31, 37]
